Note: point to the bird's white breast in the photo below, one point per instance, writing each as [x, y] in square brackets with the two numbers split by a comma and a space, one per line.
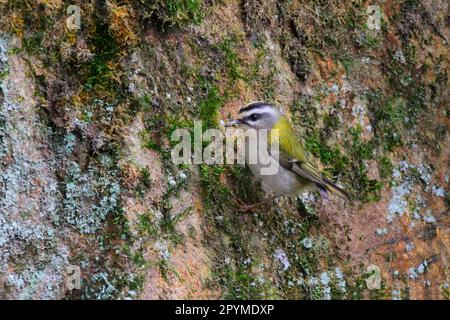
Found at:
[283, 181]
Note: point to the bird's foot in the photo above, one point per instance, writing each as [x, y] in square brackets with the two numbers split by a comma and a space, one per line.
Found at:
[244, 207]
[249, 207]
[252, 207]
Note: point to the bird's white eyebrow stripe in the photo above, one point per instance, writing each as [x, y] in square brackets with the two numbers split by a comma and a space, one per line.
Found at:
[253, 106]
[261, 110]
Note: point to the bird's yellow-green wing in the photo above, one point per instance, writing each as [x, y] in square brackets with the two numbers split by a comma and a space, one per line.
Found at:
[292, 156]
[283, 134]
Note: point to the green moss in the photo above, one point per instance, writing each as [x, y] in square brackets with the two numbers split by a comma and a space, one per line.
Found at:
[387, 118]
[4, 72]
[313, 34]
[350, 163]
[261, 73]
[168, 223]
[360, 150]
[136, 283]
[385, 167]
[122, 226]
[208, 108]
[372, 41]
[347, 62]
[98, 73]
[244, 184]
[144, 183]
[213, 189]
[365, 189]
[445, 291]
[330, 156]
[232, 61]
[176, 12]
[147, 225]
[139, 260]
[33, 43]
[240, 284]
[331, 122]
[150, 144]
[37, 24]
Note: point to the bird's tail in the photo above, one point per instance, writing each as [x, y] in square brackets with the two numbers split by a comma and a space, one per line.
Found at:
[333, 188]
[308, 171]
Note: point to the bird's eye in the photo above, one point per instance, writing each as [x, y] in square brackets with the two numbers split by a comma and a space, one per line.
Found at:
[254, 117]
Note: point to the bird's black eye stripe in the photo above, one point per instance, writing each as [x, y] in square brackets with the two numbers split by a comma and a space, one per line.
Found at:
[253, 117]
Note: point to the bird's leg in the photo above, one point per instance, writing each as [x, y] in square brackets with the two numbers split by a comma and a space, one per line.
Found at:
[243, 206]
[252, 207]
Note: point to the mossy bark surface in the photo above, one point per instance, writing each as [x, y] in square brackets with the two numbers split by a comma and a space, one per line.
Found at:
[87, 181]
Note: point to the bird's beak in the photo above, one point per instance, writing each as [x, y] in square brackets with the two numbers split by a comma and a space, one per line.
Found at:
[234, 123]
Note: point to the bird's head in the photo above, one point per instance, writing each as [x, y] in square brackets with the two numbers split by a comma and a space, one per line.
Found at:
[257, 115]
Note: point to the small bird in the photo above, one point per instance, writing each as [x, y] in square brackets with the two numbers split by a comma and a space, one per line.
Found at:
[296, 171]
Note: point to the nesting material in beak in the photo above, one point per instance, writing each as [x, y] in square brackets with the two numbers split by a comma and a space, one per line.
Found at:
[233, 123]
